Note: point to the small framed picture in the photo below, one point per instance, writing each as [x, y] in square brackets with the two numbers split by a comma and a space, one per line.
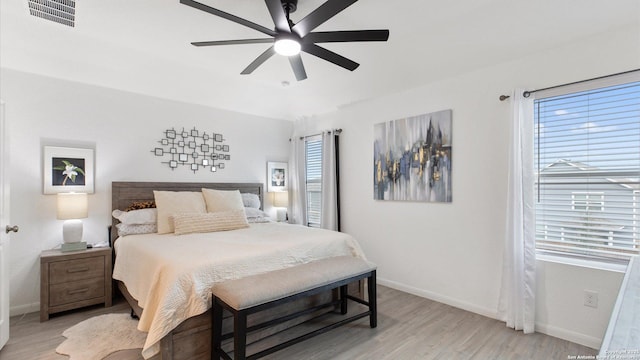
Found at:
[277, 173]
[68, 169]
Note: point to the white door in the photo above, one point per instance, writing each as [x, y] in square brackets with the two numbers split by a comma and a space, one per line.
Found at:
[4, 230]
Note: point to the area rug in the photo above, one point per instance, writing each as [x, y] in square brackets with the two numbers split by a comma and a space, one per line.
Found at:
[99, 336]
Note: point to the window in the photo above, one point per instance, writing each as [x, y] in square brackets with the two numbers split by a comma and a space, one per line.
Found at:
[587, 202]
[587, 167]
[313, 160]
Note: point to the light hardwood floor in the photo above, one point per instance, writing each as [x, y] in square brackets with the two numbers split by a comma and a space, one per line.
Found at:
[409, 327]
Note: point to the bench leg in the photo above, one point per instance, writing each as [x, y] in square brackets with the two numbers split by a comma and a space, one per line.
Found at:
[240, 336]
[344, 290]
[216, 329]
[373, 300]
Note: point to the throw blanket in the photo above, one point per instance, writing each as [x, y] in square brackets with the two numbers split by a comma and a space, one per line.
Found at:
[171, 276]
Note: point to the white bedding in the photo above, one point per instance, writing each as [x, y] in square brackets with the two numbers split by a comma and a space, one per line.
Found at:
[171, 276]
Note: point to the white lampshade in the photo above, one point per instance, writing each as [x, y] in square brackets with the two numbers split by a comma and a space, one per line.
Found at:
[281, 199]
[72, 207]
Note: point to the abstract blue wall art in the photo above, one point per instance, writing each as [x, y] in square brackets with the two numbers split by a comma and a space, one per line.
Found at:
[412, 158]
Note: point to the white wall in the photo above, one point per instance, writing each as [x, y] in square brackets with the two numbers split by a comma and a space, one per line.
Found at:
[453, 252]
[123, 128]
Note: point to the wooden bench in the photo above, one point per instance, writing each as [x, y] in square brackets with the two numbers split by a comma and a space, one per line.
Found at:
[256, 293]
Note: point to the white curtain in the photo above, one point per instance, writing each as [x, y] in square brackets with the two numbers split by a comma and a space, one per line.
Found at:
[297, 183]
[517, 295]
[329, 219]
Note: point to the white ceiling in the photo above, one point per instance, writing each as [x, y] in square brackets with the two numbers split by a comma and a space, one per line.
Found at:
[143, 46]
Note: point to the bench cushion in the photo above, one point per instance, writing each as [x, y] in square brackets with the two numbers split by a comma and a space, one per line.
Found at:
[258, 289]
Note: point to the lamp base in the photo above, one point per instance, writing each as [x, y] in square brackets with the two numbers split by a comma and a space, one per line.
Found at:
[281, 215]
[76, 246]
[72, 231]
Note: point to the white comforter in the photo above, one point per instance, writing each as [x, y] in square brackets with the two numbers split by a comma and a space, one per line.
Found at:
[171, 276]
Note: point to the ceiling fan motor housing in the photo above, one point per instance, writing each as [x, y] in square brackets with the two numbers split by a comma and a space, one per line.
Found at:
[289, 6]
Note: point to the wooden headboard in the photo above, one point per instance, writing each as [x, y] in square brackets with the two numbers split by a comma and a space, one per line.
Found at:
[125, 193]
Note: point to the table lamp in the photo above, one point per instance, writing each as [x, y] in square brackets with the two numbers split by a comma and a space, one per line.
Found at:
[71, 208]
[281, 201]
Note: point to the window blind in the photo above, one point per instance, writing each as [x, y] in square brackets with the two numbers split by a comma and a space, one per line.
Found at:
[587, 158]
[313, 153]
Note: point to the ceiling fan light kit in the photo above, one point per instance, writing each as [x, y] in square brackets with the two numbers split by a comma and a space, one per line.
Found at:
[289, 38]
[287, 45]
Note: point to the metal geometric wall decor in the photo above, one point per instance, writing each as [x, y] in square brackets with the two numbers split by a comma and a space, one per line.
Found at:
[193, 149]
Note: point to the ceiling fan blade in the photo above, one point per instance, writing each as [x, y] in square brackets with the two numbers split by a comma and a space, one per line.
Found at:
[278, 15]
[298, 67]
[330, 56]
[318, 16]
[347, 36]
[230, 17]
[258, 61]
[232, 42]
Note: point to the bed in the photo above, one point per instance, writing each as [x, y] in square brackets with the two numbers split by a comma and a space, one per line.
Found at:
[167, 278]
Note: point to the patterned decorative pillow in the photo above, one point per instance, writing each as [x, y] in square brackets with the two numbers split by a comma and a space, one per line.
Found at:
[187, 223]
[141, 205]
[136, 217]
[128, 229]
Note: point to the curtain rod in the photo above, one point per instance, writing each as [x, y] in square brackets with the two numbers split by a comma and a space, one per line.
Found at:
[336, 131]
[528, 93]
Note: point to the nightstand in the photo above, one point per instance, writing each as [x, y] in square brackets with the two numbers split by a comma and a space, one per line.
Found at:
[70, 280]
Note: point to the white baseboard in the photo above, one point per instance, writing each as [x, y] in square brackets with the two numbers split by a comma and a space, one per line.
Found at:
[560, 333]
[491, 313]
[24, 309]
[568, 335]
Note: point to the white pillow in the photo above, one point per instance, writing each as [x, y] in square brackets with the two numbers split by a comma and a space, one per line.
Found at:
[251, 200]
[175, 202]
[222, 200]
[136, 217]
[256, 215]
[209, 222]
[133, 229]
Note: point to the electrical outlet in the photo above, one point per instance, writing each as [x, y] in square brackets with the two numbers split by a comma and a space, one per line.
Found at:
[590, 298]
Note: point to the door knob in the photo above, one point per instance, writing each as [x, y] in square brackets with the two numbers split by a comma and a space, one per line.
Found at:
[13, 228]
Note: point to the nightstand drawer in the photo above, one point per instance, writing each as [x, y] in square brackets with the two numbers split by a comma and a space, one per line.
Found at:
[76, 291]
[78, 269]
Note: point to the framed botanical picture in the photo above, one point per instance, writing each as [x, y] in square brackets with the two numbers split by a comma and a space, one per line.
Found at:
[277, 176]
[68, 169]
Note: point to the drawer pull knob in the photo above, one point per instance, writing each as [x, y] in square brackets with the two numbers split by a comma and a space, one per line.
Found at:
[71, 292]
[76, 270]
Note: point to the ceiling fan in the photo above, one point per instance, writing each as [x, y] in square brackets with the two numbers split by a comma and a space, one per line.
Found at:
[289, 39]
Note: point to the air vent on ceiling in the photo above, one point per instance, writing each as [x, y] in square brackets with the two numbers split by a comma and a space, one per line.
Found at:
[60, 11]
